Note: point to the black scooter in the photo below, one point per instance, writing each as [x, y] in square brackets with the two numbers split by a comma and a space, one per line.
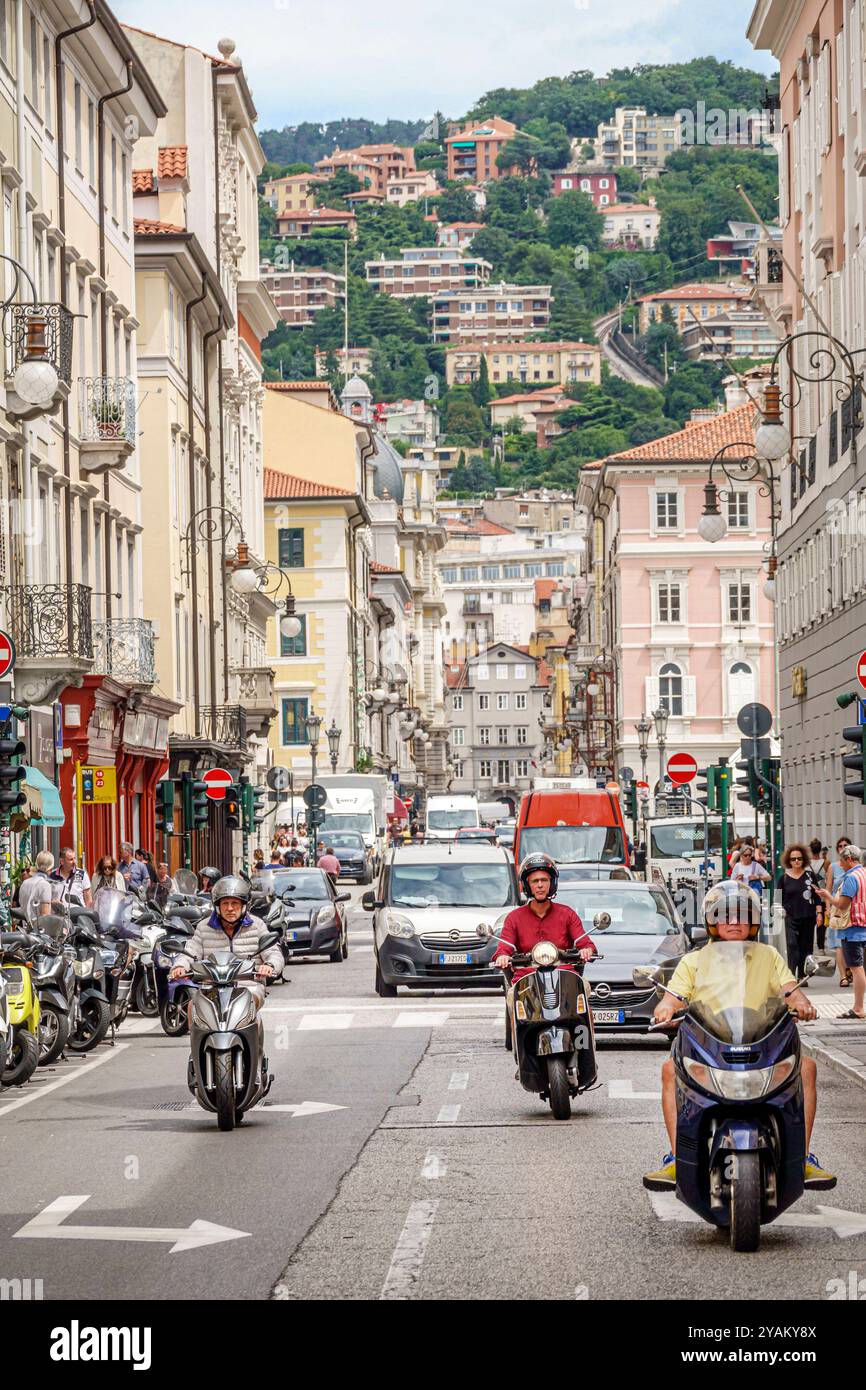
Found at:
[550, 1029]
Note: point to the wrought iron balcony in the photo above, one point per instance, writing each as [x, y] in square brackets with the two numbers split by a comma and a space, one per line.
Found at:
[125, 650]
[224, 724]
[50, 620]
[253, 687]
[106, 421]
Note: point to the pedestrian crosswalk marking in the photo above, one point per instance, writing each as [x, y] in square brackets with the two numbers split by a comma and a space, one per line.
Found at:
[322, 1022]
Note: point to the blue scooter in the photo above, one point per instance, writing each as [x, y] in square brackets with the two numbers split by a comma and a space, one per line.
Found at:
[741, 1133]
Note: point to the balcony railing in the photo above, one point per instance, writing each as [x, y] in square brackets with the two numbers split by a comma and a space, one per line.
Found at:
[225, 724]
[50, 620]
[125, 650]
[107, 410]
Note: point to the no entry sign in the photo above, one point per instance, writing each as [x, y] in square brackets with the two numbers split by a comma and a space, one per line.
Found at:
[217, 781]
[682, 768]
[861, 667]
[7, 654]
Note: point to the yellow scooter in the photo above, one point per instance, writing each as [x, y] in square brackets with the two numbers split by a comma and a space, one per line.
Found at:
[16, 967]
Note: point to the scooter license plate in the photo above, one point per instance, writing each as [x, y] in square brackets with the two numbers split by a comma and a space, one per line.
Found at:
[454, 958]
[292, 935]
[608, 1016]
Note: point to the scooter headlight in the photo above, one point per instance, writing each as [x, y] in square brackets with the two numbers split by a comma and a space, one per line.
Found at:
[83, 968]
[242, 1012]
[544, 953]
[740, 1085]
[400, 926]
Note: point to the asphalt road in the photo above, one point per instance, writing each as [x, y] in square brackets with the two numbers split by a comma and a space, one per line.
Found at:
[438, 1176]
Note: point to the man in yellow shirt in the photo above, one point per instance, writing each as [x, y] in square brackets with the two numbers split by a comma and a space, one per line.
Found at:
[752, 981]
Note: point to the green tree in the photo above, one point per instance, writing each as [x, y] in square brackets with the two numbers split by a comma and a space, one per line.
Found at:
[573, 221]
[464, 423]
[456, 204]
[481, 388]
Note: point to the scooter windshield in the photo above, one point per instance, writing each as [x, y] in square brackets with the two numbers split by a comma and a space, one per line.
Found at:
[737, 995]
[115, 913]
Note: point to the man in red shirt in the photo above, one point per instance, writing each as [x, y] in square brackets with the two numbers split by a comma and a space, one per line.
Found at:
[541, 919]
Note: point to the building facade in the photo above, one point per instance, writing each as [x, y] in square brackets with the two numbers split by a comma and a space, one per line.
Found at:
[525, 362]
[494, 703]
[636, 140]
[374, 165]
[632, 225]
[685, 303]
[427, 270]
[294, 193]
[297, 226]
[299, 294]
[601, 188]
[739, 333]
[473, 149]
[498, 313]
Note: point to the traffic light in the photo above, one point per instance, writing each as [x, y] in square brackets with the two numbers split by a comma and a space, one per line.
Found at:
[234, 810]
[11, 775]
[195, 807]
[706, 787]
[259, 806]
[630, 801]
[165, 807]
[723, 789]
[854, 761]
[748, 784]
[771, 771]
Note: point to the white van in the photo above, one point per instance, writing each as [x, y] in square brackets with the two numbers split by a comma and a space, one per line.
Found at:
[448, 814]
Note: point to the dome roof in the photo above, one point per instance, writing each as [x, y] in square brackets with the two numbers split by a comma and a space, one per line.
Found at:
[356, 389]
[389, 470]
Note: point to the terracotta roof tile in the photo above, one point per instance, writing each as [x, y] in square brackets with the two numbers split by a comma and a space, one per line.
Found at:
[297, 385]
[477, 527]
[142, 181]
[544, 588]
[376, 567]
[285, 486]
[146, 226]
[551, 394]
[699, 442]
[172, 162]
[690, 292]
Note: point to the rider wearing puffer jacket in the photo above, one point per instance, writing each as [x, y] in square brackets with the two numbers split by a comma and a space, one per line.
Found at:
[231, 927]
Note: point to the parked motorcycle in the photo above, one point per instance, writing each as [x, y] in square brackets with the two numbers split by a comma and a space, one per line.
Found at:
[228, 1071]
[4, 1026]
[550, 1027]
[90, 1018]
[54, 981]
[741, 1133]
[22, 1055]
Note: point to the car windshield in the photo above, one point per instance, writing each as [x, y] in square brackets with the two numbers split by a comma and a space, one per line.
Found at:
[345, 840]
[451, 820]
[639, 913]
[736, 997]
[298, 884]
[575, 844]
[682, 839]
[451, 885]
[334, 824]
[573, 873]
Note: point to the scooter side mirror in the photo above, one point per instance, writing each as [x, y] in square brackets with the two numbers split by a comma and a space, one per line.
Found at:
[645, 976]
[816, 965]
[484, 930]
[698, 935]
[601, 921]
[269, 939]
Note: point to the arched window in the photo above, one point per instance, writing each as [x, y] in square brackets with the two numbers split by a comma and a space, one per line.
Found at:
[741, 687]
[671, 689]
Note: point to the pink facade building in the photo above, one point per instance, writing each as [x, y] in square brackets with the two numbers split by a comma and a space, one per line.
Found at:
[601, 188]
[685, 623]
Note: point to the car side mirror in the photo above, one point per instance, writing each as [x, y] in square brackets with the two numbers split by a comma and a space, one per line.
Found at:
[343, 897]
[368, 901]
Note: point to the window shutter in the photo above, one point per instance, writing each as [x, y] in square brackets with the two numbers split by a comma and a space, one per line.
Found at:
[784, 177]
[690, 696]
[826, 113]
[652, 694]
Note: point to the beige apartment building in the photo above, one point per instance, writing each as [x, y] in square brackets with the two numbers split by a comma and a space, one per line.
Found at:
[425, 270]
[473, 149]
[499, 312]
[374, 165]
[355, 361]
[411, 188]
[689, 302]
[296, 226]
[204, 312]
[293, 193]
[299, 293]
[525, 362]
[636, 140]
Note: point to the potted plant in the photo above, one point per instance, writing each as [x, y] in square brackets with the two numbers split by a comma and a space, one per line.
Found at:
[108, 416]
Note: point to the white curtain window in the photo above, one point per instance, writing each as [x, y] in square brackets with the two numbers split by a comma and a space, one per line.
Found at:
[741, 687]
[671, 689]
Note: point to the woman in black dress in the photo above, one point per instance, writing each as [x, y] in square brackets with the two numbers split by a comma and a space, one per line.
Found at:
[798, 885]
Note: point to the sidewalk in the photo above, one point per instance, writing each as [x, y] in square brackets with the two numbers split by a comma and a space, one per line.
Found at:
[839, 1043]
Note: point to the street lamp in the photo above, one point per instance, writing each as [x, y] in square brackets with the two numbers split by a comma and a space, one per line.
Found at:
[314, 725]
[333, 736]
[660, 718]
[643, 729]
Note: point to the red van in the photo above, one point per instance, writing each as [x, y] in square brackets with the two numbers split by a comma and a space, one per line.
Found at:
[573, 827]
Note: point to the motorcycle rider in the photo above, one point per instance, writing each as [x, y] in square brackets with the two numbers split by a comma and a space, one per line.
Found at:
[231, 927]
[732, 912]
[540, 919]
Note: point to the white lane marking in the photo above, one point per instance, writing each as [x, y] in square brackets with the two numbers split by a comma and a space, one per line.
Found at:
[362, 950]
[668, 1207]
[624, 1090]
[48, 1225]
[404, 1273]
[434, 1166]
[448, 1115]
[459, 1081]
[419, 1020]
[304, 1107]
[307, 1006]
[314, 1023]
[84, 1070]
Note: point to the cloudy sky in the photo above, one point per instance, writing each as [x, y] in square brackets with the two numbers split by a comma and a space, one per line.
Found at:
[406, 58]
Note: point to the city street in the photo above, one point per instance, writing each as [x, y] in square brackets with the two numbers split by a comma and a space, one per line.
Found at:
[396, 1158]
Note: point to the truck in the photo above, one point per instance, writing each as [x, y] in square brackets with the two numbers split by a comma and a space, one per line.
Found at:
[358, 801]
[448, 814]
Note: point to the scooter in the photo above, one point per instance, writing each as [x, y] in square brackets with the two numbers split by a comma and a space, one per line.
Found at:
[54, 981]
[228, 1071]
[550, 1029]
[173, 996]
[741, 1133]
[91, 1013]
[22, 1056]
[4, 1027]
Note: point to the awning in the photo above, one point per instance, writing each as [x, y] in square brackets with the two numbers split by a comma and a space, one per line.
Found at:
[39, 789]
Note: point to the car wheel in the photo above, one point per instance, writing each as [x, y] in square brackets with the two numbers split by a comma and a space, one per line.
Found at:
[384, 991]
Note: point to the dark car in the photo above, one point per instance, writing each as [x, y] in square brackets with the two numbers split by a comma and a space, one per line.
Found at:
[504, 833]
[355, 858]
[645, 929]
[428, 906]
[477, 834]
[315, 915]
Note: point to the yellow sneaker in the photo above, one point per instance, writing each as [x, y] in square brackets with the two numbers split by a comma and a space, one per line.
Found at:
[817, 1178]
[664, 1179]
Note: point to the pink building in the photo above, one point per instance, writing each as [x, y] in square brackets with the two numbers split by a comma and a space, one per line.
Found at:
[686, 623]
[601, 188]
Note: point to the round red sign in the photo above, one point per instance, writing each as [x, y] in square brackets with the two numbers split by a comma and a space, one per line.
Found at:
[682, 768]
[7, 654]
[217, 781]
[861, 669]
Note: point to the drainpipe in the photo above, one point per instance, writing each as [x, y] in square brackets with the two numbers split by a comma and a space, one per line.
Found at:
[209, 484]
[24, 258]
[60, 122]
[103, 313]
[222, 456]
[190, 418]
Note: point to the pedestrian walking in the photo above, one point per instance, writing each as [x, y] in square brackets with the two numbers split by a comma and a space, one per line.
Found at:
[145, 857]
[850, 905]
[820, 866]
[800, 901]
[835, 875]
[132, 871]
[328, 861]
[747, 868]
[165, 885]
[69, 883]
[35, 898]
[107, 877]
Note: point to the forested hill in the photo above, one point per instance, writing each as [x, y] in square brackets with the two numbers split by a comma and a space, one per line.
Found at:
[578, 102]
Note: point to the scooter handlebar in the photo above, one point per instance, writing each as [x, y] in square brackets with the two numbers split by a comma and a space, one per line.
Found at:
[674, 1018]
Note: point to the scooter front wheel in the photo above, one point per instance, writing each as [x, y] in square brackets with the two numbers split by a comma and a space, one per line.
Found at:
[173, 1017]
[144, 999]
[93, 1023]
[53, 1034]
[22, 1059]
[224, 1090]
[557, 1081]
[746, 1203]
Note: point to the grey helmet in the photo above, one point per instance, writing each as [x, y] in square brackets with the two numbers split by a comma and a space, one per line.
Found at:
[732, 901]
[230, 886]
[210, 873]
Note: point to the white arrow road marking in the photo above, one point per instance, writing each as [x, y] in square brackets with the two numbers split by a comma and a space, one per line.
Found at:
[668, 1207]
[48, 1224]
[401, 1281]
[304, 1107]
[624, 1090]
[83, 1069]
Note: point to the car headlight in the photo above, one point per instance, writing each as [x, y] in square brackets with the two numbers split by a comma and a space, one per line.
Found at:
[400, 926]
[83, 968]
[740, 1085]
[324, 914]
[545, 953]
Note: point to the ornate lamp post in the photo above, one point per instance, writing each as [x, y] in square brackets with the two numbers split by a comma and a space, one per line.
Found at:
[660, 718]
[643, 729]
[314, 725]
[333, 736]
